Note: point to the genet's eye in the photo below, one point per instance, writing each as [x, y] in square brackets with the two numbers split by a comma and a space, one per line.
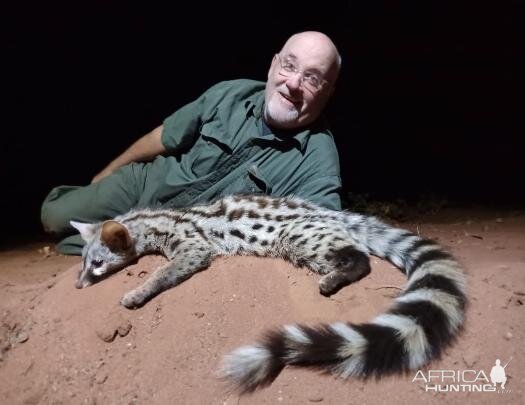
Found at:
[97, 263]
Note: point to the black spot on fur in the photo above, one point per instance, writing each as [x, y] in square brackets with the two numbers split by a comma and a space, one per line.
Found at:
[253, 215]
[271, 228]
[237, 233]
[218, 234]
[257, 226]
[174, 244]
[308, 226]
[291, 204]
[262, 202]
[200, 231]
[293, 238]
[235, 214]
[264, 243]
[253, 239]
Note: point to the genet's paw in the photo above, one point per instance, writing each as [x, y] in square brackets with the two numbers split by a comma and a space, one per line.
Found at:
[133, 300]
[327, 285]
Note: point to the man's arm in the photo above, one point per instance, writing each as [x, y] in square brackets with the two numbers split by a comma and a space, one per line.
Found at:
[146, 148]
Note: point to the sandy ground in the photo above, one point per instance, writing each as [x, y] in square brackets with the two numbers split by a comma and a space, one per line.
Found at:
[60, 345]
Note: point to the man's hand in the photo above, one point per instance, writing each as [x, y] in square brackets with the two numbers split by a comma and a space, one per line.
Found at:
[146, 148]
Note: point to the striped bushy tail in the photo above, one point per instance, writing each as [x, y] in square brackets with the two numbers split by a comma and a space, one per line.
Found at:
[424, 319]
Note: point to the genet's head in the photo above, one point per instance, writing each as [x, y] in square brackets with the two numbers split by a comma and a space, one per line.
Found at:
[109, 248]
[301, 80]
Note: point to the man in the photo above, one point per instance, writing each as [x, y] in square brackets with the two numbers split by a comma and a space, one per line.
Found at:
[240, 136]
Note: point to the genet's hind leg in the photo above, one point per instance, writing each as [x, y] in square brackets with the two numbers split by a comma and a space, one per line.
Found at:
[349, 265]
[167, 276]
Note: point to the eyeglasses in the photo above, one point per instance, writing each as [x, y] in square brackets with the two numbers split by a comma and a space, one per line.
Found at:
[312, 81]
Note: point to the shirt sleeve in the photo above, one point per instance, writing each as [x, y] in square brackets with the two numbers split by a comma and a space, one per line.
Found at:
[181, 128]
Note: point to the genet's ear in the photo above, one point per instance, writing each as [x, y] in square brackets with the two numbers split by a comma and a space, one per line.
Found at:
[87, 231]
[115, 236]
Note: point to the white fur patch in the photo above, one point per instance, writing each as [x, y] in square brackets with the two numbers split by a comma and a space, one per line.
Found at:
[352, 351]
[244, 361]
[295, 333]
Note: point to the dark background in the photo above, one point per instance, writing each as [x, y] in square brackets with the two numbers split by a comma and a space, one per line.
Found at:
[430, 98]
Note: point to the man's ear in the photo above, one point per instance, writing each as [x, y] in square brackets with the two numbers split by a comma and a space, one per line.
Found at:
[115, 236]
[272, 66]
[87, 231]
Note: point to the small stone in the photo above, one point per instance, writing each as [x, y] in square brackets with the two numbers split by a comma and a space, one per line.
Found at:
[508, 335]
[315, 398]
[142, 274]
[124, 329]
[101, 379]
[107, 336]
[21, 337]
[198, 314]
[499, 220]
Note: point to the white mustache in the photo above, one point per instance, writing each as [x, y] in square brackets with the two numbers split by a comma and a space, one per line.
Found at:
[285, 93]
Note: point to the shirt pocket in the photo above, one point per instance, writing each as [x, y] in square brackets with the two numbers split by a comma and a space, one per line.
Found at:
[210, 151]
[251, 181]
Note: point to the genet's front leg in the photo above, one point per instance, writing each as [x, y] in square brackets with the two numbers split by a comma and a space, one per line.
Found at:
[167, 276]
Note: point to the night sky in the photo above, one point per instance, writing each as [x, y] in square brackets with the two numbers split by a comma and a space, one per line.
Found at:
[430, 98]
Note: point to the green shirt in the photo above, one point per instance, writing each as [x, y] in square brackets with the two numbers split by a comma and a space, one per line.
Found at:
[218, 146]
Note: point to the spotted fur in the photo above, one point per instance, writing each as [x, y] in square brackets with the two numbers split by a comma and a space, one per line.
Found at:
[423, 320]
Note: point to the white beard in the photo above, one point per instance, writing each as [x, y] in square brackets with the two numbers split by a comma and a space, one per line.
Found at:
[277, 112]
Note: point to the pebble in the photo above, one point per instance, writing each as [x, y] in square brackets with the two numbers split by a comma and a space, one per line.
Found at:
[124, 329]
[21, 337]
[101, 379]
[508, 335]
[315, 398]
[107, 336]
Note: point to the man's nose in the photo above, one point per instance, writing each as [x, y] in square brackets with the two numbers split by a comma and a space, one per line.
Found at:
[294, 82]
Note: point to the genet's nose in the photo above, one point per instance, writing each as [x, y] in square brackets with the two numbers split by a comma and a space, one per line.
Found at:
[82, 283]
